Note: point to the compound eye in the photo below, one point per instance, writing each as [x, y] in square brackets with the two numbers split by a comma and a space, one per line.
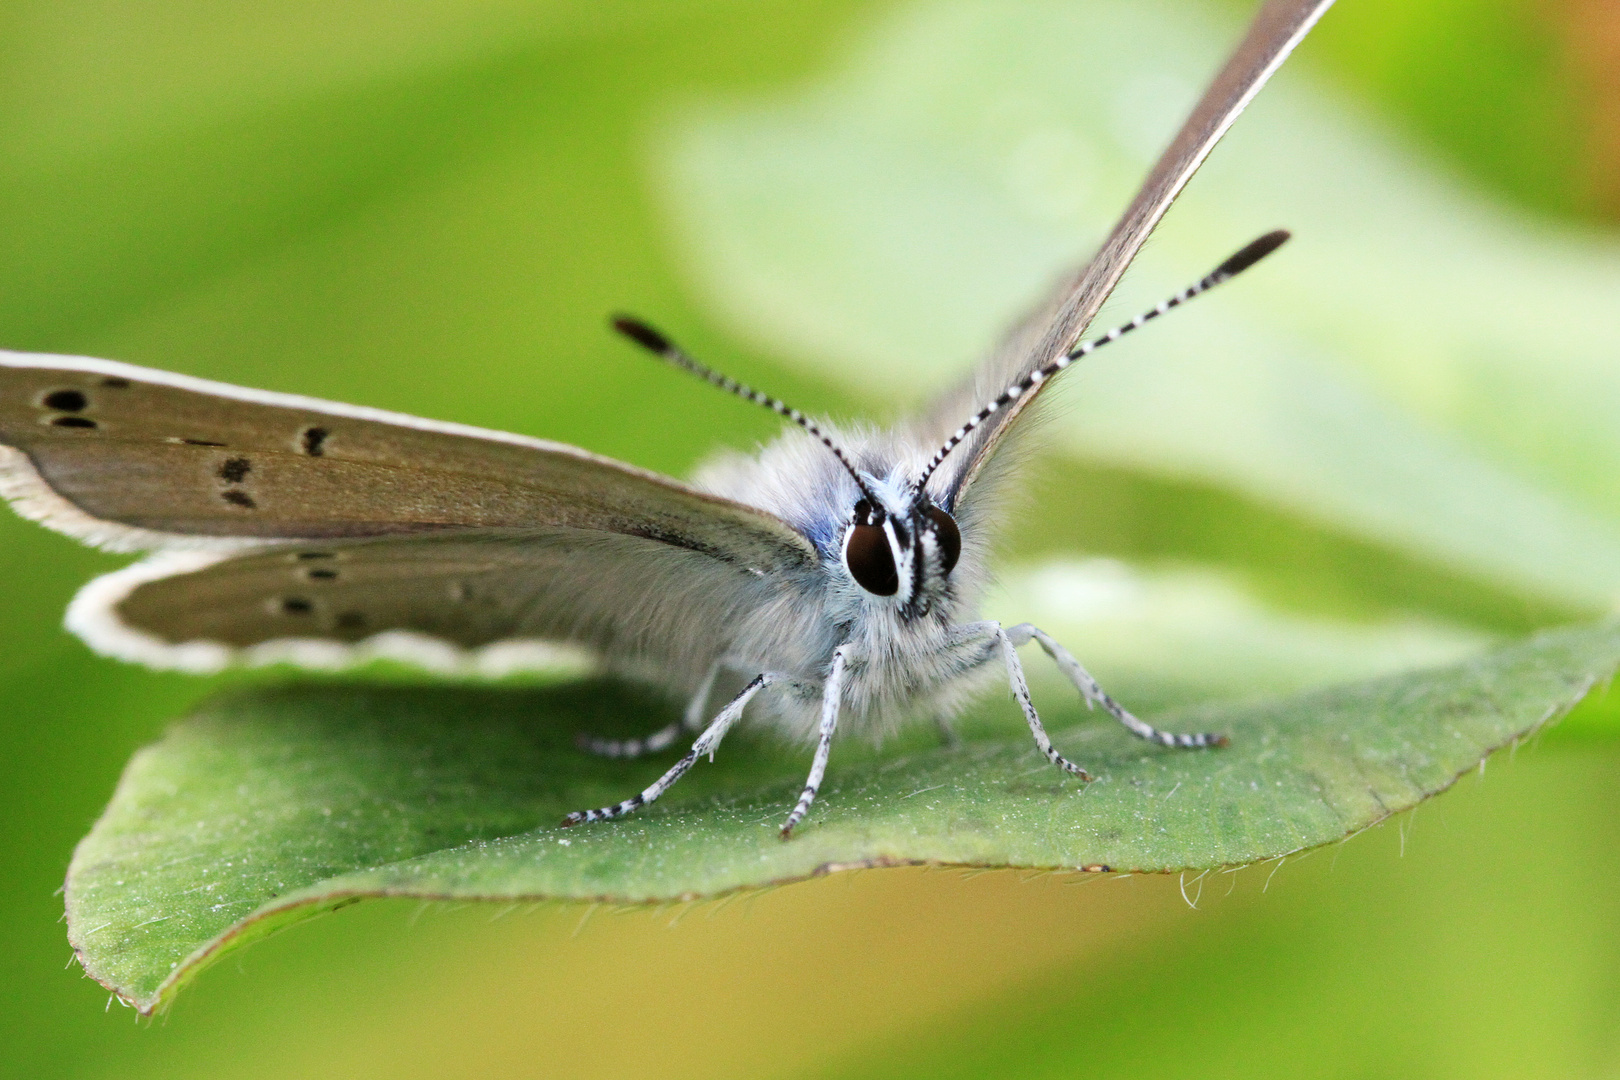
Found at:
[870, 561]
[948, 535]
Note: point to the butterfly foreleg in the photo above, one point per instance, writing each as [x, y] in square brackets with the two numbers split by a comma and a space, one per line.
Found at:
[995, 639]
[630, 748]
[691, 720]
[698, 707]
[707, 743]
[1094, 694]
[832, 693]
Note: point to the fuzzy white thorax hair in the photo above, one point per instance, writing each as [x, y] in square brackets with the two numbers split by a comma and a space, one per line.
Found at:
[903, 668]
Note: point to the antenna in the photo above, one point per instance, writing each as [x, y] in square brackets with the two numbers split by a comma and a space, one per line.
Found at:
[660, 346]
[1232, 267]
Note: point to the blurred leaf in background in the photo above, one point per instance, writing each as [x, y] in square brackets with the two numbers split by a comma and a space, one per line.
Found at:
[430, 207]
[895, 217]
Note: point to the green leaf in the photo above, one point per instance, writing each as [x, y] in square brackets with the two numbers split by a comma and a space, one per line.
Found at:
[276, 804]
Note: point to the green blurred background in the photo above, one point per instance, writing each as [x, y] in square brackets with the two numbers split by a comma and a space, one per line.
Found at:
[430, 207]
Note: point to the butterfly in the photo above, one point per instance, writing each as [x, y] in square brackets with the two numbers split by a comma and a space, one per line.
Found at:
[831, 581]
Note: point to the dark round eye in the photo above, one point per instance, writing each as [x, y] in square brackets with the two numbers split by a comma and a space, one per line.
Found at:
[949, 536]
[868, 557]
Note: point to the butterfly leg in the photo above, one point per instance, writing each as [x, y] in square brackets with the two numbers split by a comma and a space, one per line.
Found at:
[707, 743]
[832, 694]
[1094, 694]
[1020, 688]
[660, 739]
[630, 748]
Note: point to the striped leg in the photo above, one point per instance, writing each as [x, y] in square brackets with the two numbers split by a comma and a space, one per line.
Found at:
[1094, 694]
[658, 740]
[706, 743]
[629, 748]
[1020, 689]
[832, 693]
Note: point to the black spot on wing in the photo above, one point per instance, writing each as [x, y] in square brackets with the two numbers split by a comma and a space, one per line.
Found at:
[239, 498]
[82, 422]
[113, 382]
[312, 440]
[321, 573]
[65, 400]
[235, 470]
[200, 442]
[296, 605]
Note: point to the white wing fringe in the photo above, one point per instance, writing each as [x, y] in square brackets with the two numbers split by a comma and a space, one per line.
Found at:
[93, 617]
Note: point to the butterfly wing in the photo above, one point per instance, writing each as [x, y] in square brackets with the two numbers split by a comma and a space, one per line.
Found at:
[481, 600]
[235, 485]
[1276, 30]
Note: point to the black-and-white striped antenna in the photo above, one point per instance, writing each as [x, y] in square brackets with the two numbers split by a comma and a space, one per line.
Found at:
[660, 346]
[1239, 262]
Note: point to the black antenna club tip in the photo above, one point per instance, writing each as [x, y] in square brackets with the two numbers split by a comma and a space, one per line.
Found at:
[1253, 252]
[642, 334]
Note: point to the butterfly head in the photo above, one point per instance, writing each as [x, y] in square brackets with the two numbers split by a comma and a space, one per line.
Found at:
[901, 545]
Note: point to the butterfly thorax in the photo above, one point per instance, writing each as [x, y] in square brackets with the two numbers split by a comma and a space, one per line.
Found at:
[896, 575]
